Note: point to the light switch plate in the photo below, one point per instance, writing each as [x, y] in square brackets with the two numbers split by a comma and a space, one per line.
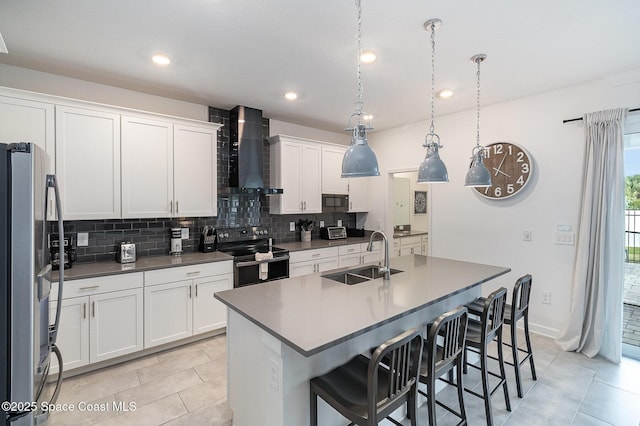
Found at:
[292, 226]
[83, 239]
[322, 224]
[339, 222]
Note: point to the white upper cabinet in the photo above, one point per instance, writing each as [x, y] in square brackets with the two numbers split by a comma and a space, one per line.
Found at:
[147, 168]
[23, 120]
[332, 182]
[195, 170]
[88, 162]
[168, 169]
[296, 168]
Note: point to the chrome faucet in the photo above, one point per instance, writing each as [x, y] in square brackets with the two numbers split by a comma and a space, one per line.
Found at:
[386, 269]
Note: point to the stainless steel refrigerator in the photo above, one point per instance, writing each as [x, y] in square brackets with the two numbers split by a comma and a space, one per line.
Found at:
[27, 339]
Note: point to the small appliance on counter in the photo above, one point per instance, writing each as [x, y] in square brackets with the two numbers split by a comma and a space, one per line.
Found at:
[176, 241]
[208, 239]
[69, 252]
[126, 252]
[333, 232]
[355, 232]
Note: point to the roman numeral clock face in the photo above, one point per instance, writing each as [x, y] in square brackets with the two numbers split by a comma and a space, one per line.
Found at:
[510, 167]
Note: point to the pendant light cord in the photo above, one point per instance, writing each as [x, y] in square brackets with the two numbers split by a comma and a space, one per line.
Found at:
[359, 102]
[433, 76]
[478, 104]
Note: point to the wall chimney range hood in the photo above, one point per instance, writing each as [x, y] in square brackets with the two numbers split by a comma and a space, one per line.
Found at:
[246, 153]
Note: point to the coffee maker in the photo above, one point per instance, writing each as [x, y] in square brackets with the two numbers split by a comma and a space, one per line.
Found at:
[68, 250]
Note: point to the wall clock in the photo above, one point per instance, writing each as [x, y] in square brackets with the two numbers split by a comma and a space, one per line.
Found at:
[510, 167]
[420, 202]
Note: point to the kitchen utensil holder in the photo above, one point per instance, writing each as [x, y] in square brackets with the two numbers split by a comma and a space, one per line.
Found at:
[305, 236]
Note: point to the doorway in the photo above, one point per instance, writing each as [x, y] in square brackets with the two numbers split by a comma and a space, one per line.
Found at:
[631, 297]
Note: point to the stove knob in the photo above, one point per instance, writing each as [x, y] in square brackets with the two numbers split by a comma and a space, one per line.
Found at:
[225, 235]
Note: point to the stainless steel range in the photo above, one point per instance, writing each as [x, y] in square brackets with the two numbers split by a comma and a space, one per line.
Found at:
[255, 260]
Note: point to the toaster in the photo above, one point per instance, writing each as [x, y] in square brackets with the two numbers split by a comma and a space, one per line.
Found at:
[126, 252]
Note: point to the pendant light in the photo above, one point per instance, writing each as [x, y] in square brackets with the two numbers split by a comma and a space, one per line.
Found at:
[359, 160]
[432, 169]
[478, 175]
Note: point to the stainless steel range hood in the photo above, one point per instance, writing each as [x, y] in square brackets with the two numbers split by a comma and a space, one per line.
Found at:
[246, 153]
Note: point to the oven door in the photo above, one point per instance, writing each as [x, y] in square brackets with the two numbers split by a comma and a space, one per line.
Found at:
[258, 271]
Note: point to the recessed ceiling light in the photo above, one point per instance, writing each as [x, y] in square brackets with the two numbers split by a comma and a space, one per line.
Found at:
[368, 56]
[161, 59]
[291, 96]
[446, 93]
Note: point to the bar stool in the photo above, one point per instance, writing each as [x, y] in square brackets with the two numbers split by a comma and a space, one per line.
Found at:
[443, 353]
[366, 391]
[519, 309]
[479, 335]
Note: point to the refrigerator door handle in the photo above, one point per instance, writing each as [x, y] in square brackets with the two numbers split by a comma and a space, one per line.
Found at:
[53, 183]
[44, 282]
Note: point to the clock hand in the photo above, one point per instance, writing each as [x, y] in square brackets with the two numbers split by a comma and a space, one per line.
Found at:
[499, 171]
[500, 166]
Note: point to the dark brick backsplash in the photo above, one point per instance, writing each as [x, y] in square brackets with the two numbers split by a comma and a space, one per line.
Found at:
[152, 236]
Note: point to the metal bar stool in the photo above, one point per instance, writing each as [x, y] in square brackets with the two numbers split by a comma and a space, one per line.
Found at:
[366, 391]
[519, 309]
[479, 335]
[443, 353]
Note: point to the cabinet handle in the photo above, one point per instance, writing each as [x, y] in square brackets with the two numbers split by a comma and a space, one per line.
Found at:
[315, 255]
[350, 205]
[171, 206]
[305, 206]
[93, 309]
[84, 310]
[177, 207]
[193, 273]
[411, 250]
[91, 287]
[189, 292]
[300, 205]
[196, 290]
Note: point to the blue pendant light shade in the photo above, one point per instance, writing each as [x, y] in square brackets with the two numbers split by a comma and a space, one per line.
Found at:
[432, 169]
[359, 160]
[478, 175]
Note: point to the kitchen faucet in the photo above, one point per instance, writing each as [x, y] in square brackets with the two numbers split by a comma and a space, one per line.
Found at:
[386, 269]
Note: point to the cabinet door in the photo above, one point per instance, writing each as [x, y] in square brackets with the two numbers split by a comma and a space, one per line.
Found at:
[327, 264]
[23, 120]
[73, 334]
[88, 163]
[290, 177]
[358, 194]
[299, 269]
[195, 171]
[410, 249]
[332, 182]
[147, 168]
[209, 313]
[167, 313]
[116, 324]
[311, 179]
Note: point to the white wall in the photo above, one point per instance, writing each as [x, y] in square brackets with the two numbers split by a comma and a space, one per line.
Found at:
[468, 227]
[283, 128]
[51, 84]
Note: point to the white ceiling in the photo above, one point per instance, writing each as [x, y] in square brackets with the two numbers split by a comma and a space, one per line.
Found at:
[249, 52]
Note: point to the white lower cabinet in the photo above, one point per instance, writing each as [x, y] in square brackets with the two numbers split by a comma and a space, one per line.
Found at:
[101, 318]
[311, 261]
[179, 302]
[415, 244]
[349, 255]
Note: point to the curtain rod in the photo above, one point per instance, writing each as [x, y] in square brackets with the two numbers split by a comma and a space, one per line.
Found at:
[580, 119]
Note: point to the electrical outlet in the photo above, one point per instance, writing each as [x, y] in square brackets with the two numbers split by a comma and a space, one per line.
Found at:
[322, 224]
[184, 234]
[546, 297]
[527, 235]
[339, 222]
[292, 226]
[274, 376]
[83, 239]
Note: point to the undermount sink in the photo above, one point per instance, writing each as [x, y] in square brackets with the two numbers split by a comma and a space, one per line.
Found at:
[358, 275]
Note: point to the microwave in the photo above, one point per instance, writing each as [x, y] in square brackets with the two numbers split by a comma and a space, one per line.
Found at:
[335, 203]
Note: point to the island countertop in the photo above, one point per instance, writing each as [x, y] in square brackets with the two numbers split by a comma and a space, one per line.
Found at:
[312, 313]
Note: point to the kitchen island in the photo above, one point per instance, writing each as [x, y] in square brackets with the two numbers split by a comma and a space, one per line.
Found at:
[282, 333]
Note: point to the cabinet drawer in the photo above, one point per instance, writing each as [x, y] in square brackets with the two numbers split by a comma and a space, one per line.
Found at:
[351, 249]
[90, 286]
[168, 275]
[409, 241]
[302, 256]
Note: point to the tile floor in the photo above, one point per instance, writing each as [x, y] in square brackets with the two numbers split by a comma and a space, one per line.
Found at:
[187, 386]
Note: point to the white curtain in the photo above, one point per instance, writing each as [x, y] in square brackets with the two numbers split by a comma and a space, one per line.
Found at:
[594, 326]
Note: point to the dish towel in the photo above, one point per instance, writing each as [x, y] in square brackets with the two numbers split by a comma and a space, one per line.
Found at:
[264, 267]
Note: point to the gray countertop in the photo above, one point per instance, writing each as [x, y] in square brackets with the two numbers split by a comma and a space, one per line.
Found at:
[320, 243]
[311, 313]
[411, 233]
[99, 269]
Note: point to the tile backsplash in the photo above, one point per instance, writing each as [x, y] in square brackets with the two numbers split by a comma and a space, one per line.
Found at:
[152, 236]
